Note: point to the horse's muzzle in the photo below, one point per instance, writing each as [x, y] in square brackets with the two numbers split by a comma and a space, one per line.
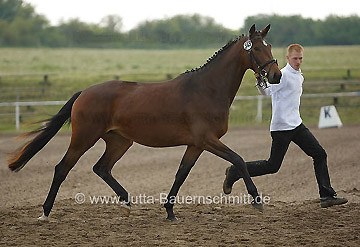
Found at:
[274, 78]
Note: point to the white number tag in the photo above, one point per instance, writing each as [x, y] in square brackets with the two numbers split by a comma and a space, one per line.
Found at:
[247, 45]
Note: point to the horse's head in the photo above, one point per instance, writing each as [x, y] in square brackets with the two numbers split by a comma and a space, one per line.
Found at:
[261, 59]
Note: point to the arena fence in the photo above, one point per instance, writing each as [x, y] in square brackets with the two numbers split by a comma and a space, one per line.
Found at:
[258, 98]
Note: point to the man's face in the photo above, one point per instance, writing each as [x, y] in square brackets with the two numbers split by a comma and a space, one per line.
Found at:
[295, 59]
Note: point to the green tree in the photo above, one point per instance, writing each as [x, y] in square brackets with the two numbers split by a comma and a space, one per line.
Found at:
[113, 23]
[81, 34]
[20, 25]
[180, 30]
[9, 9]
[334, 30]
[285, 29]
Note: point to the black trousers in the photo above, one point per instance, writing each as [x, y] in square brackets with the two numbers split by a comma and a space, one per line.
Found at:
[302, 137]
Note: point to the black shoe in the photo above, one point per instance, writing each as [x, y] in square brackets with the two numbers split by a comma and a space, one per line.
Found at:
[331, 201]
[229, 181]
[259, 206]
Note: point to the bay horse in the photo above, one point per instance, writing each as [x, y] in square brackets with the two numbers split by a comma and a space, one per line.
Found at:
[191, 109]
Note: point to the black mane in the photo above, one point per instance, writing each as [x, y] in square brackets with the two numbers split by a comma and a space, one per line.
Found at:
[221, 50]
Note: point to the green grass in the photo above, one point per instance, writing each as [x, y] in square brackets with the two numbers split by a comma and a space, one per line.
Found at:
[70, 70]
[99, 61]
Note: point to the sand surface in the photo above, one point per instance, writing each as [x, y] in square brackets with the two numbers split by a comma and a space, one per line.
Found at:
[292, 216]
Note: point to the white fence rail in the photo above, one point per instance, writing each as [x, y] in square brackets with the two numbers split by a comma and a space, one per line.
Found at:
[259, 99]
[18, 104]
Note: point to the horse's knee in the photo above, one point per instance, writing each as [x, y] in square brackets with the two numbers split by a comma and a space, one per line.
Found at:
[100, 171]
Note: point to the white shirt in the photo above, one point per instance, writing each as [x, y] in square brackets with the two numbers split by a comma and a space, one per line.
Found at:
[285, 98]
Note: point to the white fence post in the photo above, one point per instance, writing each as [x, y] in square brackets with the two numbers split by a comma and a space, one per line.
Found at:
[17, 105]
[17, 116]
[259, 109]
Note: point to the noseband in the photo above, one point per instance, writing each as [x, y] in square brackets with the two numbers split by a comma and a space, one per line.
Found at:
[262, 72]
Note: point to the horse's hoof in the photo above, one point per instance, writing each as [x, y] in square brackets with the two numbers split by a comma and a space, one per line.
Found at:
[125, 209]
[43, 218]
[172, 219]
[258, 206]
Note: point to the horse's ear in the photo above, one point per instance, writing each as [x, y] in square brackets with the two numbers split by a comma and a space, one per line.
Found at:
[252, 30]
[265, 31]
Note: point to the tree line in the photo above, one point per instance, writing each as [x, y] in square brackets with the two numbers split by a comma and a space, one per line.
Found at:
[21, 26]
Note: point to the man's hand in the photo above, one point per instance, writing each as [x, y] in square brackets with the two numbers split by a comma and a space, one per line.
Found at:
[260, 81]
[257, 76]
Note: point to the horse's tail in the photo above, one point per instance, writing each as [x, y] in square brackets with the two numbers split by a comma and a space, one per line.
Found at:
[46, 132]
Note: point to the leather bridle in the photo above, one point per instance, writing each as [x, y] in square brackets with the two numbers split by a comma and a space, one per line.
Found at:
[261, 68]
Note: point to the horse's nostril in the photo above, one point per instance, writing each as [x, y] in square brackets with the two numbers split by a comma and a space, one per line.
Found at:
[277, 77]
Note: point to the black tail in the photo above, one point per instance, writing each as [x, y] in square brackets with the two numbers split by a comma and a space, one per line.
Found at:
[48, 131]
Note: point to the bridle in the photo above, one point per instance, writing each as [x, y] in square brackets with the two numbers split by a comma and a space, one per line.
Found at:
[262, 72]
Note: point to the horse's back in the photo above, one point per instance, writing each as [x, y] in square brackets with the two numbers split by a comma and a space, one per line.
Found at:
[136, 110]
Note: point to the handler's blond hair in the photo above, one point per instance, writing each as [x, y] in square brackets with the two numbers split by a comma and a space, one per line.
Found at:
[295, 47]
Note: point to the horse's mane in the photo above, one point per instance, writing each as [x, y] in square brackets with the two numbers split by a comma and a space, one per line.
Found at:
[216, 54]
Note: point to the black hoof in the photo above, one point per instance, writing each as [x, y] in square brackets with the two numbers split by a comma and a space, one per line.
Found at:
[172, 219]
[170, 212]
[227, 187]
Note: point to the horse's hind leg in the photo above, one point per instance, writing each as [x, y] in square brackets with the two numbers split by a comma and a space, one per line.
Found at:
[216, 147]
[80, 143]
[188, 161]
[116, 146]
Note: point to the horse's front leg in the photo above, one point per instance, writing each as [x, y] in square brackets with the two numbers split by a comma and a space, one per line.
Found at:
[191, 155]
[216, 147]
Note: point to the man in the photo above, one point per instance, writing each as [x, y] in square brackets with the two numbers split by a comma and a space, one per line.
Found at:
[286, 126]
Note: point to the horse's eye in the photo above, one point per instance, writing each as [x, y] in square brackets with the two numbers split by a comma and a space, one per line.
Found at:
[256, 48]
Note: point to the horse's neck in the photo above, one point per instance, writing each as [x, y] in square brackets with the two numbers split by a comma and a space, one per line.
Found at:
[222, 77]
